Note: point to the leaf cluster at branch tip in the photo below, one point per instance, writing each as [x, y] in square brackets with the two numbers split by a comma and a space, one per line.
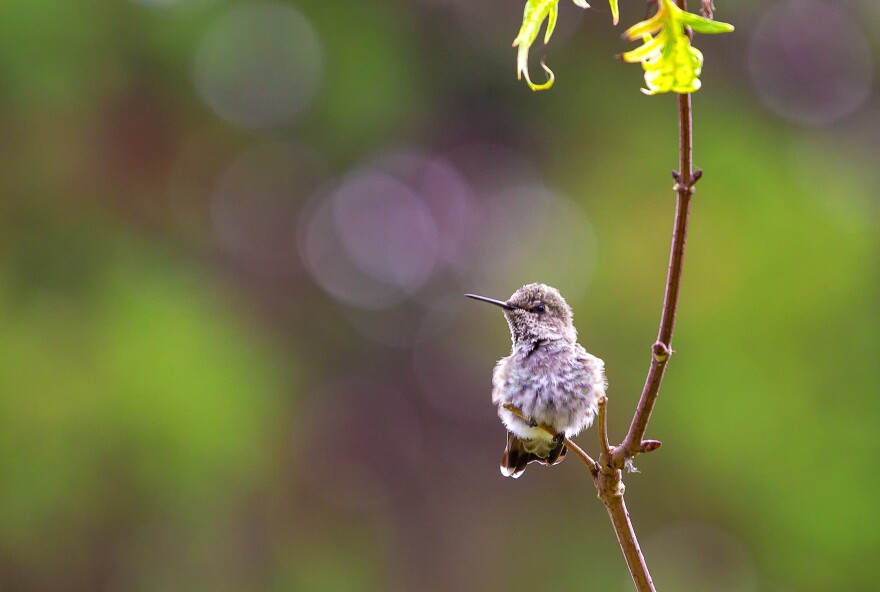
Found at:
[671, 64]
[669, 60]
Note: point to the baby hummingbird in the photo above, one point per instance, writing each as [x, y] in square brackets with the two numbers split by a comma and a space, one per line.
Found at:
[548, 376]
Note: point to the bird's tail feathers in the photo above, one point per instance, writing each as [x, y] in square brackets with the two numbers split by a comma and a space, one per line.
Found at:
[518, 453]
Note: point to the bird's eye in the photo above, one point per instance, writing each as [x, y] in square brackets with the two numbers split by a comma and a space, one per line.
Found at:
[540, 308]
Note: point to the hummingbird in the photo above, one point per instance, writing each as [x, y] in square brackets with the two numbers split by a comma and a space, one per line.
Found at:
[548, 376]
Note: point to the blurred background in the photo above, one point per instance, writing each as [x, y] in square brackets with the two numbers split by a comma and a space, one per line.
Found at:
[234, 239]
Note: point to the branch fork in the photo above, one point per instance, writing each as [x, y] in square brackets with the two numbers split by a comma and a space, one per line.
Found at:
[613, 459]
[607, 473]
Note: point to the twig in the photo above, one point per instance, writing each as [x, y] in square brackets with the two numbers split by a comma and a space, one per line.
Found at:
[626, 537]
[608, 480]
[610, 487]
[585, 458]
[602, 426]
[685, 179]
[592, 465]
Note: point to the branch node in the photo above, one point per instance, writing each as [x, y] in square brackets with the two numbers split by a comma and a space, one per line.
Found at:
[683, 185]
[686, 188]
[661, 351]
[650, 445]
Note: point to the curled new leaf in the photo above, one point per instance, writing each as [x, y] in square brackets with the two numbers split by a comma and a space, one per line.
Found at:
[534, 15]
[666, 54]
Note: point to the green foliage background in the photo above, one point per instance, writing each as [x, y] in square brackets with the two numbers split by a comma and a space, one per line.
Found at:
[173, 417]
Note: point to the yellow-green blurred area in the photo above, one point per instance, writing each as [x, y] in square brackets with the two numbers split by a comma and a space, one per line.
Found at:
[234, 352]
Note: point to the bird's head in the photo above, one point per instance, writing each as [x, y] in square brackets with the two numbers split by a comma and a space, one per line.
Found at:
[536, 312]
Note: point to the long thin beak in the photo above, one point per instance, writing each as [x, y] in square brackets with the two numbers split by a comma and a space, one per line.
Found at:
[500, 303]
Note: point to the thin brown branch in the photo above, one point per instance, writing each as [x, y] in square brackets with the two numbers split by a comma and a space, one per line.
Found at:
[610, 487]
[602, 427]
[608, 480]
[592, 465]
[629, 544]
[661, 351]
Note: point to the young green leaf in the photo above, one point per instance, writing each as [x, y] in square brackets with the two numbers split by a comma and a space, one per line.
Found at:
[671, 64]
[534, 15]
